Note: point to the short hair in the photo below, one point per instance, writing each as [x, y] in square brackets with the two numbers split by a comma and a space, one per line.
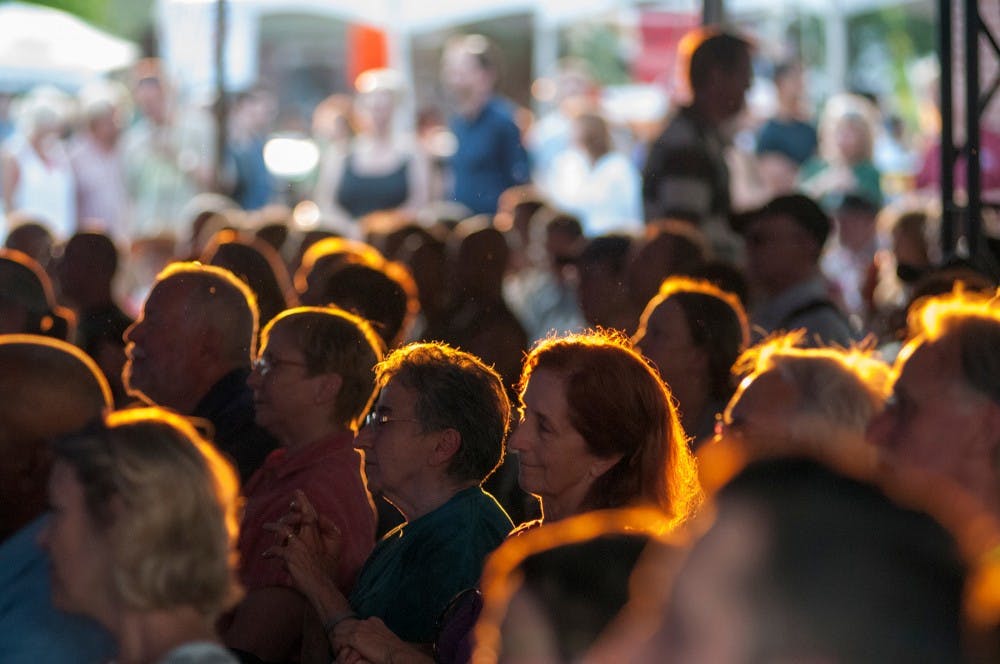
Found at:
[24, 283]
[971, 320]
[479, 47]
[222, 302]
[335, 341]
[455, 390]
[385, 295]
[168, 501]
[716, 322]
[97, 249]
[715, 49]
[620, 406]
[839, 390]
[850, 108]
[830, 583]
[257, 264]
[611, 250]
[50, 387]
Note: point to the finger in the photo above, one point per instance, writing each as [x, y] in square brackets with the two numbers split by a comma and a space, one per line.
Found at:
[303, 506]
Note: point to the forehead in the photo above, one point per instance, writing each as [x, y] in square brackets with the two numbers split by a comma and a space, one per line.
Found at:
[168, 295]
[397, 397]
[773, 223]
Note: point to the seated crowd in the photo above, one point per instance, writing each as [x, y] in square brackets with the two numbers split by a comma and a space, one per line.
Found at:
[453, 437]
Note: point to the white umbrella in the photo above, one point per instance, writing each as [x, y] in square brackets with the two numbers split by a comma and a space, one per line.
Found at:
[44, 45]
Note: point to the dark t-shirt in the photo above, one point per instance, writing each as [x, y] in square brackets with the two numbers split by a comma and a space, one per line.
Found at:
[792, 138]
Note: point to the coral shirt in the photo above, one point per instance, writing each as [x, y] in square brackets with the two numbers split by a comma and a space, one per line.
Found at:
[329, 472]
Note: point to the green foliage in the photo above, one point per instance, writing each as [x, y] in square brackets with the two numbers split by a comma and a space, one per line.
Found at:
[92, 11]
[599, 46]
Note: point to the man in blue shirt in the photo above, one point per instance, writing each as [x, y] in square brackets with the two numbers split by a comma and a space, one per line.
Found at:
[490, 157]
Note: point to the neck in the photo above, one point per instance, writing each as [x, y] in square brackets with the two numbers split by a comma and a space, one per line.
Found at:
[474, 105]
[426, 496]
[146, 636]
[201, 385]
[566, 504]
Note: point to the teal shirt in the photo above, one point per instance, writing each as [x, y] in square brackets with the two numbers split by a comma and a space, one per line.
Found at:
[418, 567]
[867, 176]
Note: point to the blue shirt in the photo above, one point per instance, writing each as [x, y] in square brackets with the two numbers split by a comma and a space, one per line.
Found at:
[32, 631]
[490, 157]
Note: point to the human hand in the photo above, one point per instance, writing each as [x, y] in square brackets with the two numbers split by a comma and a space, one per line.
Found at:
[372, 641]
[308, 543]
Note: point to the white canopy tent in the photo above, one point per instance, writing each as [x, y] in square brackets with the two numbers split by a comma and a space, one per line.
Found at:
[43, 45]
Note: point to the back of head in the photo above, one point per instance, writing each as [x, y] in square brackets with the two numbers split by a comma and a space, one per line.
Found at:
[147, 475]
[50, 388]
[335, 341]
[671, 247]
[845, 573]
[385, 295]
[715, 50]
[971, 320]
[257, 264]
[30, 236]
[217, 299]
[87, 268]
[455, 390]
[26, 298]
[481, 256]
[619, 405]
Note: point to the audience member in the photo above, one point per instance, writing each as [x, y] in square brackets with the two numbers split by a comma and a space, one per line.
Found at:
[102, 203]
[599, 430]
[251, 118]
[693, 333]
[595, 182]
[258, 265]
[50, 388]
[685, 175]
[86, 272]
[849, 259]
[943, 416]
[30, 236]
[190, 351]
[37, 179]
[605, 300]
[27, 305]
[437, 431]
[803, 563]
[788, 139]
[797, 400]
[142, 533]
[313, 382]
[669, 247]
[784, 240]
[844, 164]
[489, 157]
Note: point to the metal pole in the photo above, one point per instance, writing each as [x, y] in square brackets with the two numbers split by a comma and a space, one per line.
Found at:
[947, 135]
[221, 103]
[713, 12]
[973, 207]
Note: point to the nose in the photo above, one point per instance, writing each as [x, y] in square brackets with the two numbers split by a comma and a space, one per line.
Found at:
[363, 441]
[518, 439]
[132, 331]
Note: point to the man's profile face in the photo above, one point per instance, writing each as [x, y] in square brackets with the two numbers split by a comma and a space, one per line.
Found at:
[933, 420]
[162, 345]
[463, 76]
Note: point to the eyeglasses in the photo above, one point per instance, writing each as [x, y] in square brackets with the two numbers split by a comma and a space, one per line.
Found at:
[377, 420]
[726, 424]
[264, 364]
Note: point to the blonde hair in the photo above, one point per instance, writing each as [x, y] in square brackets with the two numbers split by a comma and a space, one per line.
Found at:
[167, 501]
[847, 108]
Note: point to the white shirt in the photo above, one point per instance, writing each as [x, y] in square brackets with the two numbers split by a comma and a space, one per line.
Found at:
[606, 196]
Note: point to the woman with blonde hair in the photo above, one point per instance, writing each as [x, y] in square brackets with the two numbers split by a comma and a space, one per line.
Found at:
[142, 535]
[846, 143]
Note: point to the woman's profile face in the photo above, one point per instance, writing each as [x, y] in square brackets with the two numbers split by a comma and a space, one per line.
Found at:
[281, 384]
[79, 549]
[554, 461]
[664, 338]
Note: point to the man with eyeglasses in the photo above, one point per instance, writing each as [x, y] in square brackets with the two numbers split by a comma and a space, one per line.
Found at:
[943, 416]
[784, 241]
[190, 351]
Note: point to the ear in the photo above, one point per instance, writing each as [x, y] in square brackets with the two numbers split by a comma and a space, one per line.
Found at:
[600, 466]
[327, 387]
[446, 446]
